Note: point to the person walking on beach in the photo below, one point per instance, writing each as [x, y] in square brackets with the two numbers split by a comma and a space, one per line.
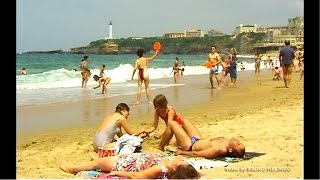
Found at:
[112, 125]
[232, 69]
[286, 57]
[175, 70]
[101, 73]
[257, 61]
[214, 59]
[142, 65]
[104, 81]
[301, 66]
[85, 72]
[225, 62]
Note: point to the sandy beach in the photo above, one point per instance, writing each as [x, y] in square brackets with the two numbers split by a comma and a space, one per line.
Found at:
[260, 112]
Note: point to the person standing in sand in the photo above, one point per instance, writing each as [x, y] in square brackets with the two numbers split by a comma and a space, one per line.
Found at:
[111, 126]
[176, 70]
[232, 69]
[85, 72]
[101, 73]
[286, 57]
[214, 59]
[301, 67]
[142, 65]
[225, 62]
[191, 143]
[257, 61]
[267, 61]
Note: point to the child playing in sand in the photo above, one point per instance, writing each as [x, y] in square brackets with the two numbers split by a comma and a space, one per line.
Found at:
[277, 74]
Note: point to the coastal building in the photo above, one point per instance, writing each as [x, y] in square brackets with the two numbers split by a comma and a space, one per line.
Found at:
[213, 33]
[194, 33]
[245, 29]
[275, 36]
[136, 38]
[188, 33]
[174, 35]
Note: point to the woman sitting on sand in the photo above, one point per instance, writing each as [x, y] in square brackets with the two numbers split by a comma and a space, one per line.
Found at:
[104, 81]
[167, 114]
[139, 166]
[111, 126]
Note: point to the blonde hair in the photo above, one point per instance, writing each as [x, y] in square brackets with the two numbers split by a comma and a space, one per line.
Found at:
[233, 51]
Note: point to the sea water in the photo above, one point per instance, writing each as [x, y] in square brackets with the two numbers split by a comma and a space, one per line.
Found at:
[56, 78]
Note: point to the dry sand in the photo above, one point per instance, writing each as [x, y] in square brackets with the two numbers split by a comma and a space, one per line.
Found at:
[264, 115]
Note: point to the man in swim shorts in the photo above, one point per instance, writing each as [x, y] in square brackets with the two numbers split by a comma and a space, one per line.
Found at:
[215, 59]
[286, 57]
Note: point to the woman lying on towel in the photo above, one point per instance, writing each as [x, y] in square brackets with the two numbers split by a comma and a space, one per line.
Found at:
[191, 144]
[139, 166]
[111, 126]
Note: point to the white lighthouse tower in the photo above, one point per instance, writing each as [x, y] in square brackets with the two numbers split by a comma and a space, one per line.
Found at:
[110, 31]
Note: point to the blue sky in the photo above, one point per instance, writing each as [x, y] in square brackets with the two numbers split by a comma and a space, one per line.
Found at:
[55, 24]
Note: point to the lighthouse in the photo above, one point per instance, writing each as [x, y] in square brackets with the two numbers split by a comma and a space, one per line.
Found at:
[110, 30]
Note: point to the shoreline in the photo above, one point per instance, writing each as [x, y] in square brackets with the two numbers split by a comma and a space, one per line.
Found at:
[266, 117]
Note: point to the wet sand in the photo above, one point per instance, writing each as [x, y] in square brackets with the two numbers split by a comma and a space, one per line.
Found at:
[264, 115]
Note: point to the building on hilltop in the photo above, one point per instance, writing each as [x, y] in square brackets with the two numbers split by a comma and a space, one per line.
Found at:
[275, 36]
[193, 33]
[188, 33]
[174, 35]
[245, 29]
[293, 32]
[213, 33]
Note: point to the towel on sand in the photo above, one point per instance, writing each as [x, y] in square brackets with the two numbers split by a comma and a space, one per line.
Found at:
[96, 175]
[199, 164]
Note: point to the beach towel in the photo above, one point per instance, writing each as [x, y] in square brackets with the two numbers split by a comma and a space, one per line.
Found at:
[96, 175]
[200, 164]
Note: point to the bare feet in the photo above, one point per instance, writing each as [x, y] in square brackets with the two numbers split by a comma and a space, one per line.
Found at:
[161, 148]
[136, 103]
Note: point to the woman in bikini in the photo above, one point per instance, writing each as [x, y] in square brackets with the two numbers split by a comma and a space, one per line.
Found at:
[142, 65]
[111, 126]
[175, 70]
[104, 81]
[167, 114]
[85, 72]
[139, 166]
